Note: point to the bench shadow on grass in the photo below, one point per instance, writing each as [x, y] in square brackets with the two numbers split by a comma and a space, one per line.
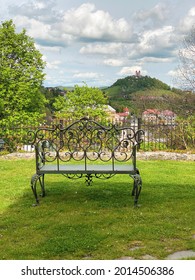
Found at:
[74, 221]
[68, 223]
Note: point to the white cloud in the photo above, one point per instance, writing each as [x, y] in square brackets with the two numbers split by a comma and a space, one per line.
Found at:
[51, 49]
[156, 41]
[42, 32]
[36, 29]
[103, 48]
[87, 23]
[157, 38]
[188, 21]
[53, 65]
[155, 15]
[86, 75]
[114, 62]
[40, 10]
[173, 73]
[156, 60]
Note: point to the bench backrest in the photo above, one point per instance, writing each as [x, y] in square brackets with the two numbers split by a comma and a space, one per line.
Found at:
[85, 140]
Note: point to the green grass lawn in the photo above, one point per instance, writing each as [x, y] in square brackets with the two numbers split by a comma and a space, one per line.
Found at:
[98, 222]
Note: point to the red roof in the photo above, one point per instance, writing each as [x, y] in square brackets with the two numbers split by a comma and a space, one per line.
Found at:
[125, 114]
[168, 113]
[126, 110]
[151, 112]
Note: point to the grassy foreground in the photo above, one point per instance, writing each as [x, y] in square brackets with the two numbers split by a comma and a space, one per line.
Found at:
[98, 222]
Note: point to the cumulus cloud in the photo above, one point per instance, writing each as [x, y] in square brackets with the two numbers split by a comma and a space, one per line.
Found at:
[102, 48]
[42, 32]
[188, 21]
[84, 23]
[39, 10]
[155, 43]
[87, 23]
[36, 29]
[154, 16]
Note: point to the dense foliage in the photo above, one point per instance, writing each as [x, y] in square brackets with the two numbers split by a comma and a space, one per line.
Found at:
[81, 102]
[21, 69]
[134, 83]
[21, 77]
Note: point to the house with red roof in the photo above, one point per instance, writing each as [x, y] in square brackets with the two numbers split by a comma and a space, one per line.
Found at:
[165, 117]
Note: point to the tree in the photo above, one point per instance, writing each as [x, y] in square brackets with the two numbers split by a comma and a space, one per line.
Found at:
[187, 62]
[81, 102]
[21, 73]
[21, 77]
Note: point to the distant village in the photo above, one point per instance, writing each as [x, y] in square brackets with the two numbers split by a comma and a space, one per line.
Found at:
[165, 117]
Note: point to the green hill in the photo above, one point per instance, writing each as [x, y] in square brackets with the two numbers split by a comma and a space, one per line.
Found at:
[128, 91]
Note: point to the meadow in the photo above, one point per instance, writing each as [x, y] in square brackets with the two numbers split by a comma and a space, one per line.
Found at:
[75, 221]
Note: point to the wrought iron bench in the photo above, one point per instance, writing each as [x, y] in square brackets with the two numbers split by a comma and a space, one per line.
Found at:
[85, 149]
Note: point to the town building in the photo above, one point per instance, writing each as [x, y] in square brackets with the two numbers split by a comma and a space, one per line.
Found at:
[165, 117]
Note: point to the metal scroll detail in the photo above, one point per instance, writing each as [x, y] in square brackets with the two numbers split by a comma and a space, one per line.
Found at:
[89, 177]
[104, 176]
[73, 176]
[84, 140]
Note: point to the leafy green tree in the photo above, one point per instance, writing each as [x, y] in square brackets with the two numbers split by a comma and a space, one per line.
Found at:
[81, 102]
[21, 73]
[21, 77]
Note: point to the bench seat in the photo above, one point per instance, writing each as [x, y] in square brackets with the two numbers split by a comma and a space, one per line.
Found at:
[90, 169]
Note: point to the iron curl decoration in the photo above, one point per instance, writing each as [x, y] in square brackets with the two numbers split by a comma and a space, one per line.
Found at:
[139, 136]
[73, 176]
[123, 153]
[85, 139]
[47, 150]
[65, 156]
[130, 134]
[40, 135]
[104, 176]
[31, 137]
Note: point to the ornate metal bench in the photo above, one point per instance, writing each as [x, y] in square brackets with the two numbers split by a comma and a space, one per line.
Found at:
[85, 149]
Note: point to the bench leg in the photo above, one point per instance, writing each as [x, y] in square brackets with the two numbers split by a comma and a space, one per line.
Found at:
[137, 186]
[42, 184]
[34, 180]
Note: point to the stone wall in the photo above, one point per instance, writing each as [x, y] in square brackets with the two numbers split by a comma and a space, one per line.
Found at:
[140, 155]
[165, 156]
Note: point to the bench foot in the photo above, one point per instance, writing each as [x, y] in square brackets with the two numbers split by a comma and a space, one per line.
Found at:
[137, 186]
[35, 178]
[35, 204]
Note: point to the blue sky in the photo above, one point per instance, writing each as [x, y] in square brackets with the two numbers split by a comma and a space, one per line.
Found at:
[100, 41]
